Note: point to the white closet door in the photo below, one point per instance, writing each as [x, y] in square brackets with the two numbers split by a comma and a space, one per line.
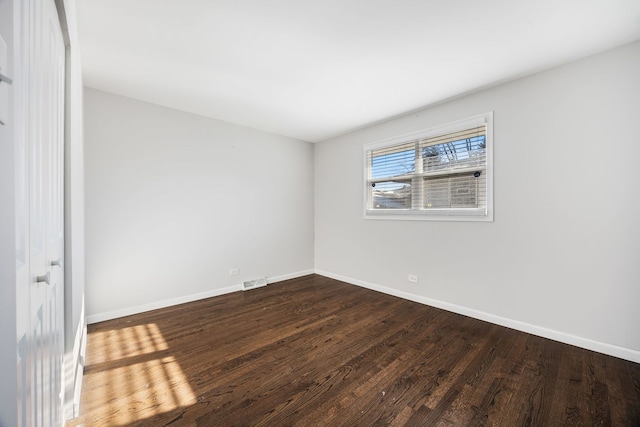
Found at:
[42, 345]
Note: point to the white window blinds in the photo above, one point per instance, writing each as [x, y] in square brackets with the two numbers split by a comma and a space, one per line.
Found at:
[442, 172]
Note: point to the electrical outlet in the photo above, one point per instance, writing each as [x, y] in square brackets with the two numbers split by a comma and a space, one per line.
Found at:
[413, 278]
[234, 271]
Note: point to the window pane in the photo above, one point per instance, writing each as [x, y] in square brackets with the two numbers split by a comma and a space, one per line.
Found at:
[393, 161]
[459, 154]
[391, 195]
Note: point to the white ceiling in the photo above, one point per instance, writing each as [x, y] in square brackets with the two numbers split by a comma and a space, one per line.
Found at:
[313, 69]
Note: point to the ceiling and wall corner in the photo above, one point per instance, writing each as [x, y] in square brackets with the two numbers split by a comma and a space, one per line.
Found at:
[316, 69]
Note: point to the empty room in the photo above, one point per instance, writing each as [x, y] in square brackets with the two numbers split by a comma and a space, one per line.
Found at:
[319, 213]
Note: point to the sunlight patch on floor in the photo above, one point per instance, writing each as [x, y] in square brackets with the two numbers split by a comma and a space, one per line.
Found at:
[134, 377]
[116, 344]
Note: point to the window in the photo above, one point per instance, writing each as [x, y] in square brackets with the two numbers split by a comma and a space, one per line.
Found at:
[442, 173]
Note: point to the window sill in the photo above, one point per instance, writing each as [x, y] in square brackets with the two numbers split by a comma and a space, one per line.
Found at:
[464, 214]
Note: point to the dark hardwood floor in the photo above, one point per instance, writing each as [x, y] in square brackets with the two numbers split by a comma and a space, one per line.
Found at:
[318, 352]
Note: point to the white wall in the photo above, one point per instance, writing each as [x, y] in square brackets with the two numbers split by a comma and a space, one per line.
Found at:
[174, 200]
[562, 258]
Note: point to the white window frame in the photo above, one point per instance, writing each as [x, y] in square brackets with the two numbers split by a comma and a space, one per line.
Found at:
[444, 214]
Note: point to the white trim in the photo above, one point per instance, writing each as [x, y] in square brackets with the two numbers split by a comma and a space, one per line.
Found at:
[586, 343]
[74, 372]
[101, 317]
[77, 389]
[459, 214]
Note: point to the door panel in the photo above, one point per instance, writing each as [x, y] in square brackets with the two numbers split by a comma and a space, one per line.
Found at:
[21, 87]
[44, 354]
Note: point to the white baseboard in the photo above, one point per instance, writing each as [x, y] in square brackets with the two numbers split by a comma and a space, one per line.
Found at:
[284, 277]
[101, 317]
[128, 311]
[600, 347]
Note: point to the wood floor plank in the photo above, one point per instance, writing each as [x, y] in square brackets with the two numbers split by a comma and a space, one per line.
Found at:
[318, 352]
